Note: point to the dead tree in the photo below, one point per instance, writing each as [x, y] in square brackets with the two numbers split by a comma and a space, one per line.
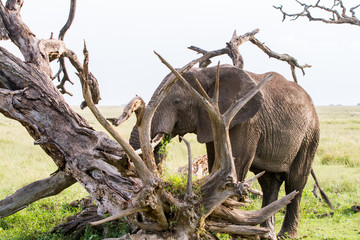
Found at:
[117, 179]
[338, 13]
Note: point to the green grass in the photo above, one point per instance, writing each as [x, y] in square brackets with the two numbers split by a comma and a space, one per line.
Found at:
[337, 166]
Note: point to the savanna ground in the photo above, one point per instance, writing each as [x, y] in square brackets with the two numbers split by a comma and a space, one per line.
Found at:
[337, 166]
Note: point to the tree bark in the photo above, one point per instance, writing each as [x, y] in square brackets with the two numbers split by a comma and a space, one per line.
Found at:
[37, 190]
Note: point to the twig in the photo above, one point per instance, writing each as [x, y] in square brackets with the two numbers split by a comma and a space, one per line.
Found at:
[322, 193]
[62, 67]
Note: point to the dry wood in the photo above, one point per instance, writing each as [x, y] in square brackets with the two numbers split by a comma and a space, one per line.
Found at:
[189, 188]
[338, 13]
[144, 174]
[99, 163]
[37, 190]
[136, 105]
[29, 97]
[232, 51]
[62, 68]
[251, 218]
[148, 196]
[283, 57]
[145, 124]
[322, 193]
[121, 214]
[239, 230]
[235, 108]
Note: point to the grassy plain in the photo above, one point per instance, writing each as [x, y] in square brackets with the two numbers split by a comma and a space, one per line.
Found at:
[337, 166]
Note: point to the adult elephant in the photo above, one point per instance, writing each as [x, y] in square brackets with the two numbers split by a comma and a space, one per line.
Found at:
[277, 131]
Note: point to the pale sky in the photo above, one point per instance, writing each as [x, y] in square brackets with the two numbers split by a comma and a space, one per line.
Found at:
[122, 35]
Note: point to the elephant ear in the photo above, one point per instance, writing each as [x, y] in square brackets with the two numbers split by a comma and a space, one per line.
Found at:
[234, 84]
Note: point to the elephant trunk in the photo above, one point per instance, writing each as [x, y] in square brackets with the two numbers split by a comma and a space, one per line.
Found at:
[159, 149]
[163, 123]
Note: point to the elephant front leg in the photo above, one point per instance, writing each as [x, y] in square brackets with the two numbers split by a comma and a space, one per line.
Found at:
[210, 154]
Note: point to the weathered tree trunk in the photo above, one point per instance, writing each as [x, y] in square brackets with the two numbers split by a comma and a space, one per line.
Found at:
[119, 187]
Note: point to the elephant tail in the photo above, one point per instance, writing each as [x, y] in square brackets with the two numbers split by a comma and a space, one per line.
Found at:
[322, 193]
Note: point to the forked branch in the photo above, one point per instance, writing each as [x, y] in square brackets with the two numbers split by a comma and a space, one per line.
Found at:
[62, 68]
[338, 13]
[232, 51]
[282, 57]
[235, 108]
[144, 174]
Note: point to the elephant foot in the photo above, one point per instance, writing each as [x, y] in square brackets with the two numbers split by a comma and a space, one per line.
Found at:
[287, 234]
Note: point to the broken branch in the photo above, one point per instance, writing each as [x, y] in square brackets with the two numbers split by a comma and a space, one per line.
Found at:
[336, 16]
[239, 230]
[121, 214]
[136, 105]
[235, 108]
[34, 191]
[283, 57]
[189, 189]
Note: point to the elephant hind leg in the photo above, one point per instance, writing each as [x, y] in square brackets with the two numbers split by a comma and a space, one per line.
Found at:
[270, 184]
[296, 180]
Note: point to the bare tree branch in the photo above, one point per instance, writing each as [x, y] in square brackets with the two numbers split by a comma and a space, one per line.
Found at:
[136, 105]
[235, 108]
[24, 39]
[69, 20]
[145, 125]
[283, 57]
[121, 214]
[338, 13]
[189, 188]
[93, 83]
[254, 217]
[144, 173]
[232, 51]
[62, 68]
[37, 190]
[239, 230]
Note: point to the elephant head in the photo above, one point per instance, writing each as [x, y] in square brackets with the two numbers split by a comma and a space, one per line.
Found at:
[180, 113]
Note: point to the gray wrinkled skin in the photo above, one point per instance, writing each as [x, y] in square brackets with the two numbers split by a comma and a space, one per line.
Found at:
[277, 131]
